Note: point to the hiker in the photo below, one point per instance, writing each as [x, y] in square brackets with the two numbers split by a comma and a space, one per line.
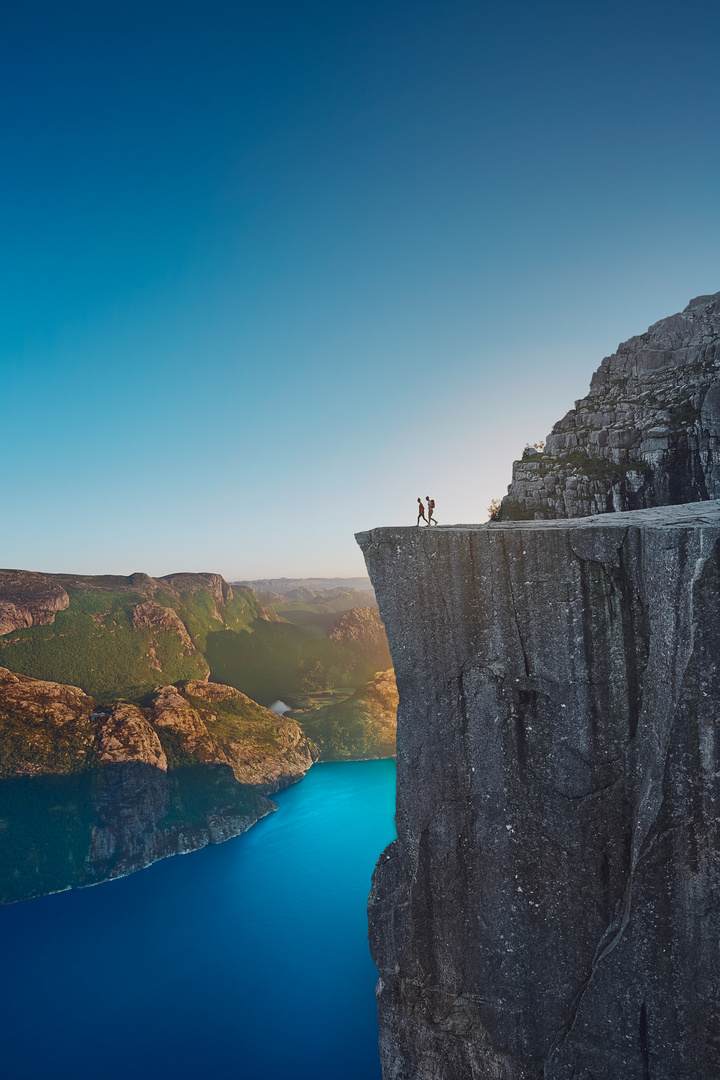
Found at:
[431, 506]
[421, 510]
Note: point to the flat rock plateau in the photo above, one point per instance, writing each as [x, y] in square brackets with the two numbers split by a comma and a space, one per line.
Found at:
[550, 909]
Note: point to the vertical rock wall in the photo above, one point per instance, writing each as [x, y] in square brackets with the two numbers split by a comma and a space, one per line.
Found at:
[549, 910]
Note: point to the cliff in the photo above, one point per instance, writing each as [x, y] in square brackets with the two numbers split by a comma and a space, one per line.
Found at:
[647, 433]
[90, 792]
[551, 907]
[28, 599]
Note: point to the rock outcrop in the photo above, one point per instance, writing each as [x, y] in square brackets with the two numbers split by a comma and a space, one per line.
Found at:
[218, 724]
[647, 434]
[551, 907]
[28, 599]
[90, 792]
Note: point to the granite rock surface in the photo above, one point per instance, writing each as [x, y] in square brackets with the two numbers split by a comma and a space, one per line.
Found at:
[647, 433]
[551, 907]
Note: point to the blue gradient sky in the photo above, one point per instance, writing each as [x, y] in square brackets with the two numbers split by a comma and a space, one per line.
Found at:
[271, 270]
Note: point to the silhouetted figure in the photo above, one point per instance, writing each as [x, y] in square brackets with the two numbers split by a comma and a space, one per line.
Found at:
[431, 506]
[421, 510]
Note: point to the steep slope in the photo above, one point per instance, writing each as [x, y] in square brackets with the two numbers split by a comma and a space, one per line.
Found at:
[550, 909]
[90, 792]
[647, 433]
[360, 727]
[361, 629]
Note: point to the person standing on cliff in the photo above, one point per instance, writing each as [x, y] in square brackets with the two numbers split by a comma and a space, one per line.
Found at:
[421, 510]
[431, 506]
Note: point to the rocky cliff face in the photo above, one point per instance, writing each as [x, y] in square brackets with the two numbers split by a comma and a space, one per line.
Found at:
[90, 792]
[551, 907]
[647, 433]
[28, 599]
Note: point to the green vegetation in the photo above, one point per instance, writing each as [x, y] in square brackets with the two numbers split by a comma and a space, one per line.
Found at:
[362, 726]
[599, 468]
[237, 721]
[515, 512]
[281, 660]
[319, 612]
[93, 645]
[197, 611]
[51, 747]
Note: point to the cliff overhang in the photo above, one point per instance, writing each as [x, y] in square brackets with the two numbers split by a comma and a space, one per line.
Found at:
[550, 908]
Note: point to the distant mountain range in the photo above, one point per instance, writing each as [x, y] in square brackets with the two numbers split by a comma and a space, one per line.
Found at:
[282, 586]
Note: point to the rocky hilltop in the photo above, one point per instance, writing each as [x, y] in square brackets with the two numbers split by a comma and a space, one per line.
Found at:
[90, 792]
[550, 909]
[28, 599]
[647, 433]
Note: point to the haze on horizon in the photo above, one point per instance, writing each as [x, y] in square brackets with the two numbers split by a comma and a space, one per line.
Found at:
[271, 271]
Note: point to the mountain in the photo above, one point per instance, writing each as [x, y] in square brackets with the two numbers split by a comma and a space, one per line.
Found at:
[116, 636]
[646, 434]
[283, 586]
[360, 727]
[90, 792]
[129, 722]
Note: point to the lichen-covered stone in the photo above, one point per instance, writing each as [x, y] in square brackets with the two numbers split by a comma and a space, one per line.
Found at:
[551, 907]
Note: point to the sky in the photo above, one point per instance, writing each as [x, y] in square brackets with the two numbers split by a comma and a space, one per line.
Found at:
[269, 271]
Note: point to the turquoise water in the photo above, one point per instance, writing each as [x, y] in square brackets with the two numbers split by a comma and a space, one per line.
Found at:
[244, 960]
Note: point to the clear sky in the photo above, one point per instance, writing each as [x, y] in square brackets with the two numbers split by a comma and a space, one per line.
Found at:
[271, 270]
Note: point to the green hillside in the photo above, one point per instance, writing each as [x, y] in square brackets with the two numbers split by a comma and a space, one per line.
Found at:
[274, 660]
[120, 637]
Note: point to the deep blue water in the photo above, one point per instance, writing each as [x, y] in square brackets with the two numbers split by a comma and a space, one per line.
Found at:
[244, 960]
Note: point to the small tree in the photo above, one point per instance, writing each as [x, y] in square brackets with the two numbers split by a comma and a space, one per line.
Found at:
[494, 510]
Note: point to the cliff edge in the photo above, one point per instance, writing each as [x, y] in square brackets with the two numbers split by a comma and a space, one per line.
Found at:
[551, 907]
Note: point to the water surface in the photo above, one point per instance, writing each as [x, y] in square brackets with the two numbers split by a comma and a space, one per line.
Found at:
[244, 960]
